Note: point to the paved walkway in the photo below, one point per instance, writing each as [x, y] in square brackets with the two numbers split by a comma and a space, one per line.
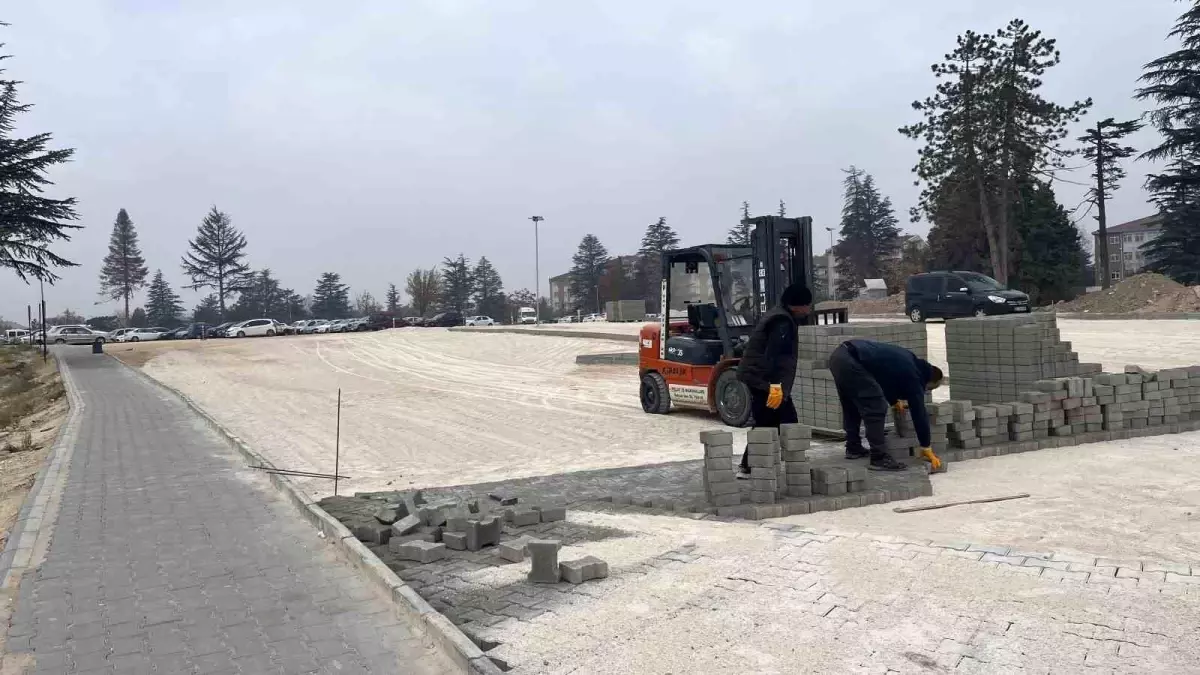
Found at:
[169, 556]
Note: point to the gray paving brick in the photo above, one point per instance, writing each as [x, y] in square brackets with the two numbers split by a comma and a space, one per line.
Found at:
[169, 556]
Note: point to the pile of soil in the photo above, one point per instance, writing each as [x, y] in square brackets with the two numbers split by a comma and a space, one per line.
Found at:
[893, 304]
[1139, 294]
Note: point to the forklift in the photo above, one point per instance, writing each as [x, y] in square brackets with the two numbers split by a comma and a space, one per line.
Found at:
[711, 298]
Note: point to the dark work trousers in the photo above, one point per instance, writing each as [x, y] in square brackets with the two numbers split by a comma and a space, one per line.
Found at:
[863, 403]
[765, 417]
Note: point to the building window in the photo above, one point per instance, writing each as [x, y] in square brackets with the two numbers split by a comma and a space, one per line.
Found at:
[1115, 257]
[1129, 256]
[1129, 237]
[1138, 238]
[1115, 275]
[1115, 239]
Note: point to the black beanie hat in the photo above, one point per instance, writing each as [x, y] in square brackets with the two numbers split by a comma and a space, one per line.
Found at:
[796, 295]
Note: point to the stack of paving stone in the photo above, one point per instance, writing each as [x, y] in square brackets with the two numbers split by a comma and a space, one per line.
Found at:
[720, 483]
[835, 481]
[814, 392]
[794, 442]
[962, 431]
[991, 422]
[995, 359]
[764, 451]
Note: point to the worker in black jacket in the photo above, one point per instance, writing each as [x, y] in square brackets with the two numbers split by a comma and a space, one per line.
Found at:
[768, 365]
[870, 376]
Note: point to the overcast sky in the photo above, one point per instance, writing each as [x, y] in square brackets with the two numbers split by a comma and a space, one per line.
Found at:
[372, 137]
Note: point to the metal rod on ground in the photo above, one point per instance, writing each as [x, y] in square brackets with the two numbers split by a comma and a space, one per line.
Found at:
[337, 444]
[295, 472]
[930, 507]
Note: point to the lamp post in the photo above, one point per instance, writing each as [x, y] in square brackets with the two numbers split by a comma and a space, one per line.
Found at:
[829, 265]
[537, 273]
[42, 293]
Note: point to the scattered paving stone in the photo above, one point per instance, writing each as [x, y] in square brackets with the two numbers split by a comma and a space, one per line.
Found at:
[473, 506]
[513, 550]
[552, 514]
[583, 569]
[418, 497]
[432, 531]
[396, 542]
[505, 498]
[420, 551]
[523, 517]
[405, 525]
[456, 524]
[455, 540]
[483, 532]
[544, 554]
[373, 533]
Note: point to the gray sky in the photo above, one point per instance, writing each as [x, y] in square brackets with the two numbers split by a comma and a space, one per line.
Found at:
[372, 137]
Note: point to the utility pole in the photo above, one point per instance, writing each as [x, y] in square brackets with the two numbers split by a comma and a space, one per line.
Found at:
[829, 266]
[1102, 265]
[42, 293]
[537, 273]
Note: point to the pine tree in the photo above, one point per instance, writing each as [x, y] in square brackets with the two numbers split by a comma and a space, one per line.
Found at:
[331, 298]
[1173, 82]
[124, 271]
[392, 298]
[739, 235]
[208, 311]
[587, 268]
[215, 258]
[457, 284]
[424, 287]
[782, 208]
[262, 296]
[162, 304]
[1048, 258]
[489, 290]
[29, 222]
[1103, 150]
[987, 130]
[870, 236]
[659, 237]
[138, 318]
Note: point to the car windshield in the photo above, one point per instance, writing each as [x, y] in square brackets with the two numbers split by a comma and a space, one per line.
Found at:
[981, 282]
[691, 283]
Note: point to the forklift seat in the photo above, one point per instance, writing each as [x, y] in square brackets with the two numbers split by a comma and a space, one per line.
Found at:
[703, 320]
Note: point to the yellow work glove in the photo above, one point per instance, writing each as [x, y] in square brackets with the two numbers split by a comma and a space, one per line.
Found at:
[901, 406]
[933, 460]
[775, 396]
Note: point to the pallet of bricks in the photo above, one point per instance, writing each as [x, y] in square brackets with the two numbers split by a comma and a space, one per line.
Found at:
[814, 393]
[1064, 411]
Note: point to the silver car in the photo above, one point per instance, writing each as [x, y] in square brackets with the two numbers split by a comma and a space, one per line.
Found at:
[76, 335]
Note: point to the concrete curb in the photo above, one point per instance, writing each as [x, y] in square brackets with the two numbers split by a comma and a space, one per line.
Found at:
[614, 359]
[548, 332]
[409, 605]
[1148, 316]
[31, 533]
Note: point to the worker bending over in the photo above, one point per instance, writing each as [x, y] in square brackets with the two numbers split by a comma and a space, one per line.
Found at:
[872, 375]
[768, 365]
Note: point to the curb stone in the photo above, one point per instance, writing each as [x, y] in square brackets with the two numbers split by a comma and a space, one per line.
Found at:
[409, 605]
[590, 335]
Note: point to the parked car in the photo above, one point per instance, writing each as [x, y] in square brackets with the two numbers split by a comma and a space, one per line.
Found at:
[16, 336]
[172, 333]
[948, 295]
[445, 320]
[252, 328]
[76, 335]
[116, 335]
[219, 329]
[312, 325]
[143, 335]
[325, 327]
[282, 328]
[480, 321]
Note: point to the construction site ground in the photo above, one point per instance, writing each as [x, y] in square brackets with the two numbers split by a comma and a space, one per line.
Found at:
[1092, 571]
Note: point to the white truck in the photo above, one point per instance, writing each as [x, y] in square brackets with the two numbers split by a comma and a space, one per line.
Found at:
[526, 315]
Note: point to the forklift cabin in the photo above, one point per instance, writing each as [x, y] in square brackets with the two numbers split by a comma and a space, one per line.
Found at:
[712, 297]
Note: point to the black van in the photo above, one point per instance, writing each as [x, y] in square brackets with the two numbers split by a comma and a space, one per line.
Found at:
[947, 295]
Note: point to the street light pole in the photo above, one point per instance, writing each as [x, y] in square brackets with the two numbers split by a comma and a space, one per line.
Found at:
[829, 265]
[537, 273]
[42, 293]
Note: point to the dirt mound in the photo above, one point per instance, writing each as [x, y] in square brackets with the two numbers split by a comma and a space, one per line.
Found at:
[1140, 294]
[893, 304]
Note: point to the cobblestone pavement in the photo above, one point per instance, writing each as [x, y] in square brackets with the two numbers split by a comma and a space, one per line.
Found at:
[705, 596]
[169, 556]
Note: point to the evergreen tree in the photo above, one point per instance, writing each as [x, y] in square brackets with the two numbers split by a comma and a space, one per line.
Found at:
[263, 297]
[124, 271]
[138, 319]
[296, 306]
[215, 258]
[987, 131]
[365, 304]
[1048, 259]
[869, 234]
[1173, 82]
[331, 298]
[103, 323]
[29, 222]
[489, 290]
[67, 317]
[739, 235]
[424, 287]
[659, 237]
[458, 284]
[587, 268]
[1102, 148]
[162, 304]
[208, 311]
[782, 208]
[392, 298]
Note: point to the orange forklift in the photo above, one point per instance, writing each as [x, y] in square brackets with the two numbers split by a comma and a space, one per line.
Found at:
[712, 296]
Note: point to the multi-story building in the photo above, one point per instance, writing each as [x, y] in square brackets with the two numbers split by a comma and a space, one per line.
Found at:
[1125, 242]
[824, 276]
[560, 293]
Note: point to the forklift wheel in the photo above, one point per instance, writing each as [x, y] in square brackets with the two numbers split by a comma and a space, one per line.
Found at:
[733, 399]
[656, 398]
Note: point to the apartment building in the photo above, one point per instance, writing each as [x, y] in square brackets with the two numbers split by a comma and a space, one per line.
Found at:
[1125, 241]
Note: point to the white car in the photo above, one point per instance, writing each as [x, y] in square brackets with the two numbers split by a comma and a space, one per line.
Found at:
[324, 326]
[252, 328]
[141, 335]
[75, 335]
[480, 321]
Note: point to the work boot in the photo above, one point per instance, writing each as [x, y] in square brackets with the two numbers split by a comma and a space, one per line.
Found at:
[743, 473]
[886, 463]
[857, 454]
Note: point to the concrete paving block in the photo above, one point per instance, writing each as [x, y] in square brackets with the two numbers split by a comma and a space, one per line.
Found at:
[433, 531]
[763, 485]
[455, 524]
[583, 569]
[800, 491]
[717, 489]
[504, 497]
[456, 541]
[552, 514]
[795, 432]
[406, 525]
[373, 533]
[829, 489]
[716, 437]
[762, 497]
[729, 499]
[761, 461]
[544, 567]
[420, 551]
[829, 475]
[484, 532]
[513, 550]
[763, 473]
[718, 451]
[762, 449]
[719, 463]
[522, 517]
[763, 435]
[796, 508]
[391, 512]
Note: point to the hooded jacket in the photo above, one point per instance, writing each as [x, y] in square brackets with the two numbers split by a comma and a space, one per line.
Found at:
[901, 376]
[771, 353]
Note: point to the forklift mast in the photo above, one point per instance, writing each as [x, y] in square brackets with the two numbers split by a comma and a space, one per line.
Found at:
[782, 256]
